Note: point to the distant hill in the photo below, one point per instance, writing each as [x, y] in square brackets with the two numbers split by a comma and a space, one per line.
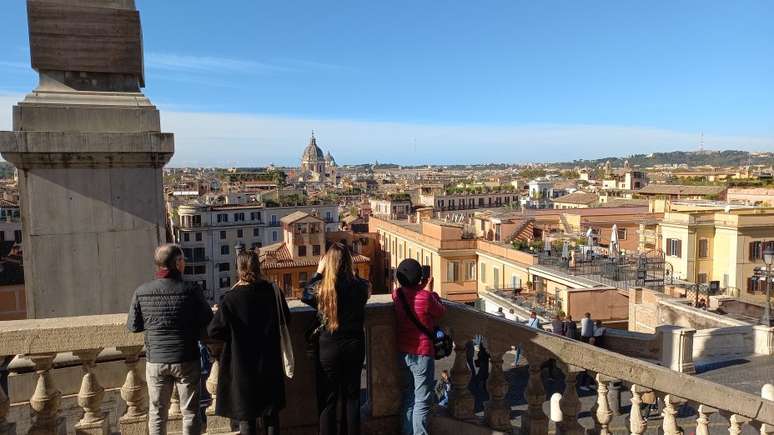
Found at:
[690, 158]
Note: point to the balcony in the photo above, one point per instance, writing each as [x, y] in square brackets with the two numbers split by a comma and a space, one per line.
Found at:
[111, 363]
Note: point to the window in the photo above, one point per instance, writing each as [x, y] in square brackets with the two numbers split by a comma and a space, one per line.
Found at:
[328, 217]
[702, 279]
[515, 281]
[224, 267]
[222, 235]
[223, 249]
[496, 277]
[674, 247]
[303, 277]
[410, 253]
[287, 282]
[198, 237]
[703, 248]
[186, 237]
[239, 217]
[225, 281]
[274, 219]
[302, 251]
[622, 234]
[187, 253]
[197, 220]
[255, 216]
[482, 273]
[452, 271]
[470, 272]
[222, 217]
[240, 234]
[316, 250]
[273, 236]
[17, 236]
[256, 232]
[757, 248]
[198, 254]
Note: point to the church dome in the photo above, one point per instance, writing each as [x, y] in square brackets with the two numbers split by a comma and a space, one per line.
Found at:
[312, 152]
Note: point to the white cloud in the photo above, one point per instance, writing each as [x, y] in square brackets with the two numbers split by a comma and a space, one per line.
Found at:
[207, 64]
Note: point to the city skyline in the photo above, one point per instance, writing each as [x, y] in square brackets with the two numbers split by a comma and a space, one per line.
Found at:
[515, 83]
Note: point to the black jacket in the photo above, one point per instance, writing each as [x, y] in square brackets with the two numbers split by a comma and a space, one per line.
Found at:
[251, 382]
[174, 315]
[351, 301]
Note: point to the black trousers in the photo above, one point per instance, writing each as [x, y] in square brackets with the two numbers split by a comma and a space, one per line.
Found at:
[339, 364]
[269, 422]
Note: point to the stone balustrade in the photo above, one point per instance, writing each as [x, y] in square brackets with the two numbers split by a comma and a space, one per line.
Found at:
[40, 341]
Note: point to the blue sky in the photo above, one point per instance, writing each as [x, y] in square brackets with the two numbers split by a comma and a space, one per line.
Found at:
[443, 81]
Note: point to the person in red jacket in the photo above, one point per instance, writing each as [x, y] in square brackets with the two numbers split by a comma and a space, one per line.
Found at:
[417, 353]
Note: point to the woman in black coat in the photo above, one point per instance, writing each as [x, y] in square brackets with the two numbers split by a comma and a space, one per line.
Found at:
[339, 298]
[251, 382]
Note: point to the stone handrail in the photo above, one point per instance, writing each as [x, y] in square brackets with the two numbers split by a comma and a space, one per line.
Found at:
[573, 357]
[41, 340]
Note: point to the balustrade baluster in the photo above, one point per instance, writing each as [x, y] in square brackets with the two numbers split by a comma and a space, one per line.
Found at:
[497, 412]
[736, 422]
[90, 396]
[669, 413]
[460, 399]
[637, 423]
[536, 422]
[174, 405]
[45, 400]
[212, 380]
[6, 428]
[766, 429]
[134, 391]
[601, 411]
[570, 403]
[702, 421]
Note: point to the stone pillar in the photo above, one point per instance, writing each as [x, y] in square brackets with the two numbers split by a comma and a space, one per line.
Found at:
[677, 348]
[702, 421]
[601, 412]
[669, 413]
[45, 400]
[6, 428]
[461, 404]
[214, 423]
[535, 421]
[90, 397]
[570, 402]
[767, 392]
[497, 412]
[89, 150]
[763, 338]
[134, 391]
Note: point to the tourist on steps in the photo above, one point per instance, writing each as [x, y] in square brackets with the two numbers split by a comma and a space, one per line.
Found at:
[251, 382]
[173, 314]
[339, 298]
[417, 353]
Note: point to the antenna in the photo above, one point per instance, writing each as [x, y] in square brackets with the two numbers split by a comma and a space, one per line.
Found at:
[701, 142]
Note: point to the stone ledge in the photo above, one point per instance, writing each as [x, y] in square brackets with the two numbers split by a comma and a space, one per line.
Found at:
[22, 142]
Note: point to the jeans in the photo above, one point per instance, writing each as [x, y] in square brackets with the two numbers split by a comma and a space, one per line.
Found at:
[161, 378]
[418, 397]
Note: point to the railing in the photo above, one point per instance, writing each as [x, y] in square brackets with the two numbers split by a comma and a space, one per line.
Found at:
[40, 341]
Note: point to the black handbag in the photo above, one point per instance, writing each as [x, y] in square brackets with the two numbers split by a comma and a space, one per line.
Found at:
[443, 343]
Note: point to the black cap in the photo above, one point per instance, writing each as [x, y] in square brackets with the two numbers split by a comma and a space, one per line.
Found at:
[409, 273]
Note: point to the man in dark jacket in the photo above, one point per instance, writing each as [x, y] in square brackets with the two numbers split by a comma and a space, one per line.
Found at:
[173, 314]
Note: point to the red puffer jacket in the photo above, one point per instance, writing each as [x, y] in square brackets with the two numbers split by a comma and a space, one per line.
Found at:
[428, 309]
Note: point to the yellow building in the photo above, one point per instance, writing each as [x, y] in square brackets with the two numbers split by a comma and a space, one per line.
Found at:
[704, 245]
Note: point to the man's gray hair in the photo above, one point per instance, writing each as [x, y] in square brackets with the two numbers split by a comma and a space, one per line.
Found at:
[167, 255]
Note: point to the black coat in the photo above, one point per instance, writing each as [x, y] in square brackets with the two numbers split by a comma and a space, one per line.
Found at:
[174, 315]
[251, 382]
[570, 329]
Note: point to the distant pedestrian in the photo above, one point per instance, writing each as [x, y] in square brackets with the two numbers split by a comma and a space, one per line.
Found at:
[557, 325]
[512, 315]
[587, 328]
[570, 328]
[533, 321]
[443, 388]
[173, 314]
[599, 334]
[500, 313]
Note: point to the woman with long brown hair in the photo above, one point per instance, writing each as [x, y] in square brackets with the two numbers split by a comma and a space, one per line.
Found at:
[251, 382]
[339, 297]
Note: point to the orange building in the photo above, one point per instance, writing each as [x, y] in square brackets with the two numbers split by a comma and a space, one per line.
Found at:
[290, 264]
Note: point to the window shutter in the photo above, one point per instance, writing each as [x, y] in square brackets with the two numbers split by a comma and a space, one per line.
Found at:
[749, 285]
[679, 248]
[752, 251]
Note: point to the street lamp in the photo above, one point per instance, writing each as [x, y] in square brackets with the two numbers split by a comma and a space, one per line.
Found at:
[768, 258]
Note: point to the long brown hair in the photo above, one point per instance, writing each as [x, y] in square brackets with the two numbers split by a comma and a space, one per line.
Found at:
[248, 267]
[338, 266]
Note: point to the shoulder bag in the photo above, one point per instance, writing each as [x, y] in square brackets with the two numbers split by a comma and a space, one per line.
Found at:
[443, 343]
[286, 345]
